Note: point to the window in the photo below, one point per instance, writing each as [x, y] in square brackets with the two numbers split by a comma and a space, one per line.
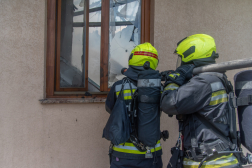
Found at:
[89, 41]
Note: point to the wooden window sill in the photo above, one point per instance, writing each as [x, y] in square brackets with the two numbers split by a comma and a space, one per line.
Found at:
[72, 100]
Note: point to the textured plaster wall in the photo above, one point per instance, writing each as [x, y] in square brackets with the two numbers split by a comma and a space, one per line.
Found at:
[69, 135]
[228, 21]
[34, 135]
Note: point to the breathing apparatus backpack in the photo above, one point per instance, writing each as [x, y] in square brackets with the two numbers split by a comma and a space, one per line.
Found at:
[243, 103]
[145, 112]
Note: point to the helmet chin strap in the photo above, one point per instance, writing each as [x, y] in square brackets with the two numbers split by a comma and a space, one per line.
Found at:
[216, 55]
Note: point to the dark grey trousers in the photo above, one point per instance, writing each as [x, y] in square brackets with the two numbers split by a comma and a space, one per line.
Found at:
[136, 163]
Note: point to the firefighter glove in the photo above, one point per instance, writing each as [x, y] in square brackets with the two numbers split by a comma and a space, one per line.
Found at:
[164, 74]
[181, 75]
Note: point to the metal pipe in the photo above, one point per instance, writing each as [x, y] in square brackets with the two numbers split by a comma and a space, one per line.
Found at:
[224, 66]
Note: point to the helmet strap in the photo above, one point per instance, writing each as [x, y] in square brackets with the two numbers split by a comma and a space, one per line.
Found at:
[203, 61]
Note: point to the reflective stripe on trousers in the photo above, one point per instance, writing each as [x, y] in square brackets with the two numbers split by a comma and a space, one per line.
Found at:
[130, 148]
[222, 161]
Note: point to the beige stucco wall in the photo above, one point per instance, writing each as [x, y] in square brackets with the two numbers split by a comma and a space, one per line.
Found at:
[228, 21]
[69, 135]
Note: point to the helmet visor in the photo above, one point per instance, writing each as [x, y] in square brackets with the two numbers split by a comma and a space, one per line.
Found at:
[179, 60]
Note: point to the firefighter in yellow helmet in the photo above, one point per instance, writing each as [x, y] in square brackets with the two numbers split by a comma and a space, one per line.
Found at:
[142, 53]
[200, 104]
[127, 155]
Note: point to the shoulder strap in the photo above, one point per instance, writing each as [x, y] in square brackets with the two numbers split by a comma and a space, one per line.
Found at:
[194, 142]
[121, 94]
[209, 125]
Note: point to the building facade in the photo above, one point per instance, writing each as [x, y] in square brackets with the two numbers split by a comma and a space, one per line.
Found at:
[41, 131]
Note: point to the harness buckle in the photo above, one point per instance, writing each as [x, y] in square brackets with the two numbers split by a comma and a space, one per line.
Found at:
[188, 154]
[148, 153]
[111, 148]
[129, 107]
[135, 113]
[214, 151]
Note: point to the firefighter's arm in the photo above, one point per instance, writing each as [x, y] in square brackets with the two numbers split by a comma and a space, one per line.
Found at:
[186, 99]
[111, 99]
[180, 76]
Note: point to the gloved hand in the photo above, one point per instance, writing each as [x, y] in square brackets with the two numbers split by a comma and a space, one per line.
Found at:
[165, 73]
[181, 75]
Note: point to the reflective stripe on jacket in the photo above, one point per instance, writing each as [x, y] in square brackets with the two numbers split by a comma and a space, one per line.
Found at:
[126, 90]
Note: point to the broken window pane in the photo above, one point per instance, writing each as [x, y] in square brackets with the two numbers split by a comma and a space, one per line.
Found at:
[94, 47]
[72, 49]
[124, 35]
[94, 4]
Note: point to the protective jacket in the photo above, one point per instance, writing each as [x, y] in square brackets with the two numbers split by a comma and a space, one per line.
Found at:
[204, 95]
[127, 150]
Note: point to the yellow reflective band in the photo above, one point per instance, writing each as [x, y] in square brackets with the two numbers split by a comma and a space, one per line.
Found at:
[127, 97]
[171, 86]
[218, 97]
[218, 101]
[215, 163]
[218, 93]
[131, 144]
[130, 148]
[134, 151]
[126, 92]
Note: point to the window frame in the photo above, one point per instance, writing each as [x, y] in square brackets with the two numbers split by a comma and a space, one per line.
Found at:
[52, 47]
[58, 45]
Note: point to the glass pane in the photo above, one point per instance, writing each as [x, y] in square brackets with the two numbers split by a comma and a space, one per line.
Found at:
[94, 4]
[124, 35]
[94, 48]
[72, 70]
[95, 16]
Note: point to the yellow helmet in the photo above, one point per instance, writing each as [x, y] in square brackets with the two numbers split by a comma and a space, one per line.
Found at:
[142, 53]
[198, 49]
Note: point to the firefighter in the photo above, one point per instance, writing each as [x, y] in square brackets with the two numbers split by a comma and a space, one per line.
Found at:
[200, 103]
[126, 155]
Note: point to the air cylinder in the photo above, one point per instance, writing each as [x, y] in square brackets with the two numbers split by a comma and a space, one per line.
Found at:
[243, 91]
[148, 110]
